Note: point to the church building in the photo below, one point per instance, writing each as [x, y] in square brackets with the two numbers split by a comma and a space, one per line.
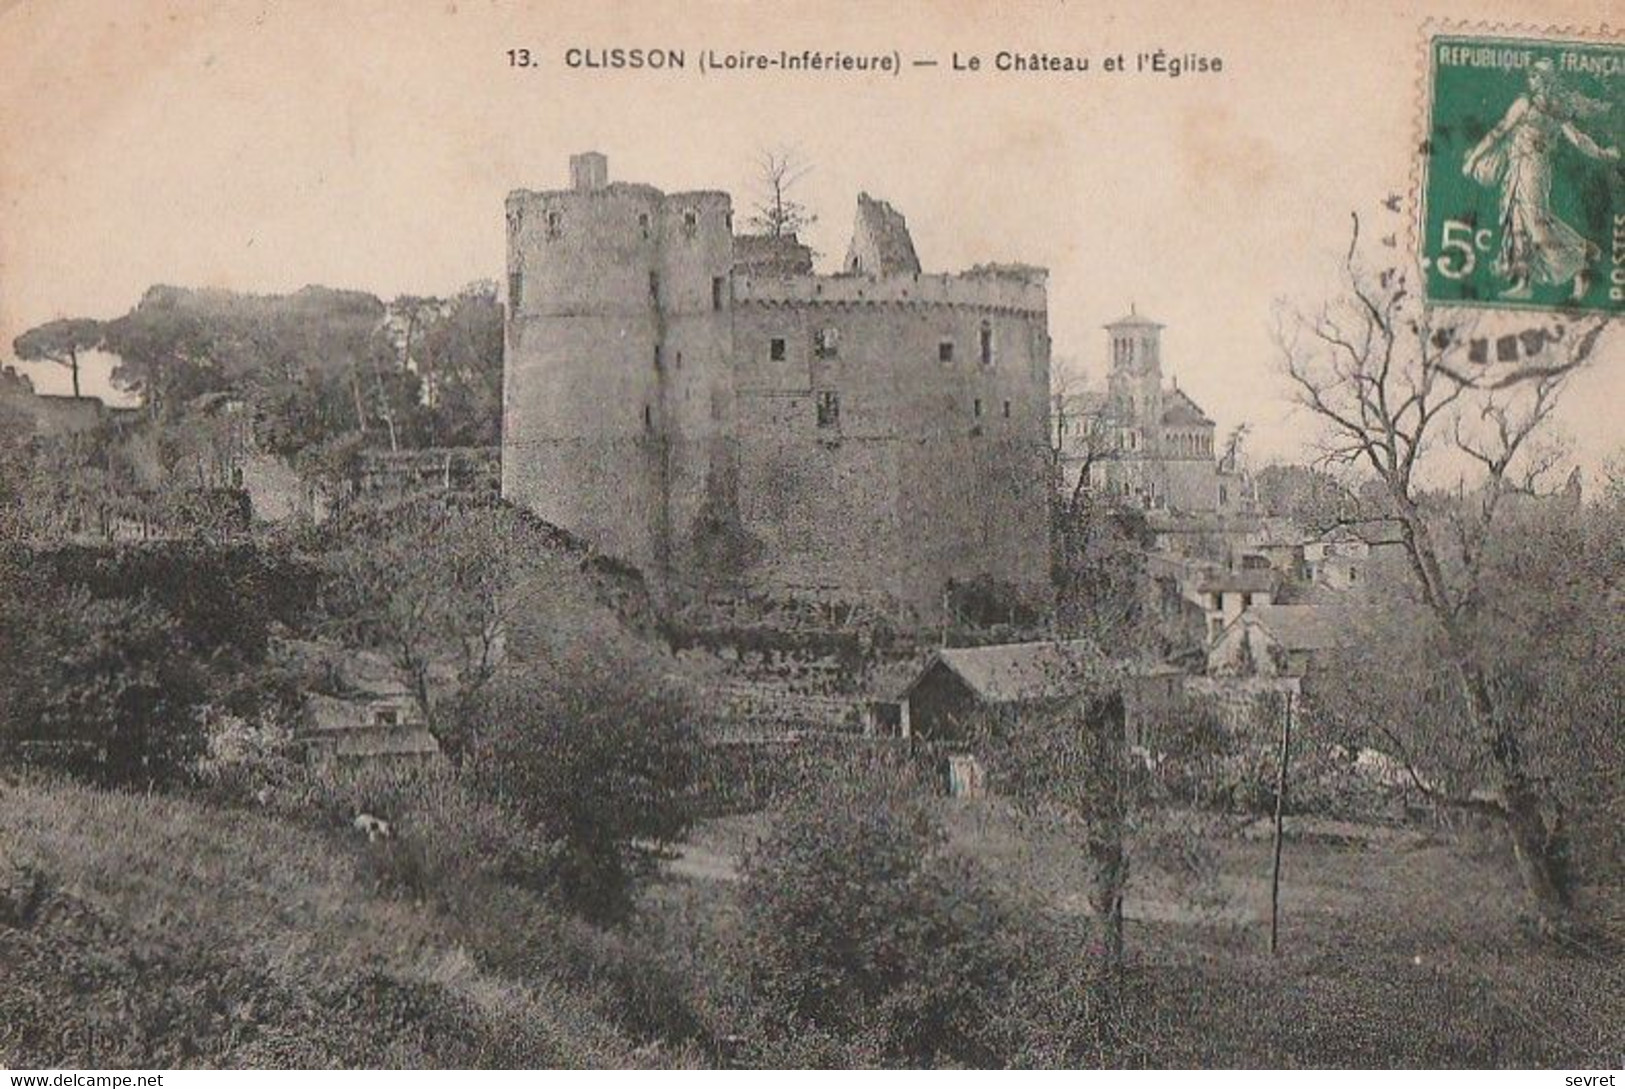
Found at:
[1145, 443]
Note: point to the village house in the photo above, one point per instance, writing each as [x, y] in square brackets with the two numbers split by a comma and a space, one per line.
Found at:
[1279, 543]
[1221, 593]
[1354, 555]
[1279, 640]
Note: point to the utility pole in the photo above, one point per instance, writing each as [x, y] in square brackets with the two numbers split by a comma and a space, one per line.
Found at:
[1280, 810]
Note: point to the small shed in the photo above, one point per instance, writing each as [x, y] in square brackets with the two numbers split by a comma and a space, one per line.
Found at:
[958, 683]
[363, 711]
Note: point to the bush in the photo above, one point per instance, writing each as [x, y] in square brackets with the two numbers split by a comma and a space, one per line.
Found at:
[105, 687]
[600, 760]
[246, 759]
[868, 943]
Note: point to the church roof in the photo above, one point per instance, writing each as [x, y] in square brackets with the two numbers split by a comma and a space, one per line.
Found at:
[1133, 317]
[1180, 411]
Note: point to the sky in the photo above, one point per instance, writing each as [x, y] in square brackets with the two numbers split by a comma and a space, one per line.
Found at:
[369, 144]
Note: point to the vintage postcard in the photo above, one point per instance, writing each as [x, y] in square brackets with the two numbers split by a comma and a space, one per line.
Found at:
[705, 534]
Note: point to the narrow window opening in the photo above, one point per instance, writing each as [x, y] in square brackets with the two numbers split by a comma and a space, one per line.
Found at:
[775, 349]
[719, 287]
[829, 408]
[516, 291]
[654, 288]
[987, 344]
[648, 418]
[976, 408]
[1007, 410]
[945, 351]
[827, 343]
[659, 359]
[643, 223]
[555, 224]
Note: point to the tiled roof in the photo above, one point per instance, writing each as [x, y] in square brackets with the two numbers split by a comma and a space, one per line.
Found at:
[1302, 627]
[1019, 672]
[1134, 318]
[1180, 411]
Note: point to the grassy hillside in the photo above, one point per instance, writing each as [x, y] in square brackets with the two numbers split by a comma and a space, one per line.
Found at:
[159, 931]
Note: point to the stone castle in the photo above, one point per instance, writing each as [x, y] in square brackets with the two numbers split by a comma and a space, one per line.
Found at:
[704, 406]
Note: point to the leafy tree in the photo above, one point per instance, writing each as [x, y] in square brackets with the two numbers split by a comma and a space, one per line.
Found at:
[1389, 382]
[166, 352]
[433, 583]
[60, 342]
[465, 345]
[313, 364]
[1068, 761]
[598, 756]
[1102, 590]
[1311, 497]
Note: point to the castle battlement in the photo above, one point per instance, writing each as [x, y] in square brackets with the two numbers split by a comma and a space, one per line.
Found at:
[1003, 293]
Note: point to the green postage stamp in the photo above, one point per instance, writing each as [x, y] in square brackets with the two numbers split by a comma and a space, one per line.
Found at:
[1523, 195]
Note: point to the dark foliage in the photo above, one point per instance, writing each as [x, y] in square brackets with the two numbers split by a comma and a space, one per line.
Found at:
[599, 760]
[868, 943]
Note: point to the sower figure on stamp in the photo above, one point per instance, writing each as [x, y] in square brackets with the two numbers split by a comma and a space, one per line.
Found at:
[1537, 246]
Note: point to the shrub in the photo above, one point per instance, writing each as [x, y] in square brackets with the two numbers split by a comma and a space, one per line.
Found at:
[106, 687]
[867, 942]
[245, 759]
[445, 831]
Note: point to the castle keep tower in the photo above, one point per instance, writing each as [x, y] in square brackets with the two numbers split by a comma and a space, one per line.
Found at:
[713, 411]
[616, 382]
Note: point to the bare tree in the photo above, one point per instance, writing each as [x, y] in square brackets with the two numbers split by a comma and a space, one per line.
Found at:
[778, 214]
[1391, 382]
[1233, 443]
[1081, 433]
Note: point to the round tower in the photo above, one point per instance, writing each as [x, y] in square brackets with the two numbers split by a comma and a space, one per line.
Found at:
[612, 293]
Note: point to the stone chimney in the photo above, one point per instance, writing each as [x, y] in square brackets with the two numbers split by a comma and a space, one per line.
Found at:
[589, 170]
